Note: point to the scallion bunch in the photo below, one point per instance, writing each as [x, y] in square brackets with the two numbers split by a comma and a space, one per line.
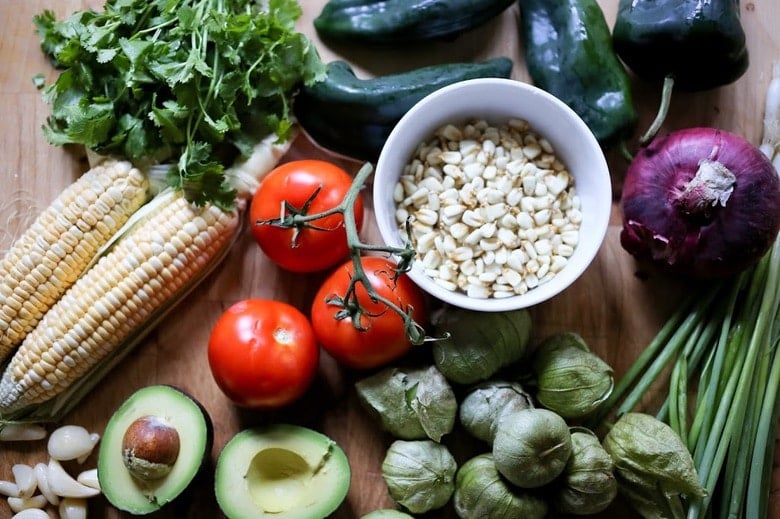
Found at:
[720, 350]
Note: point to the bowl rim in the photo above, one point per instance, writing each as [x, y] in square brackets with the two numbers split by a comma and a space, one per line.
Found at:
[585, 251]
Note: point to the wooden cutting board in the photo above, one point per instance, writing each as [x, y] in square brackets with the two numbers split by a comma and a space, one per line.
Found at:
[613, 308]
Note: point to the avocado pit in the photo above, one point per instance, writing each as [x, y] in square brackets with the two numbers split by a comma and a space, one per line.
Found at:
[150, 447]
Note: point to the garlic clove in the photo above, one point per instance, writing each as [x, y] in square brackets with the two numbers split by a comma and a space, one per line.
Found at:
[73, 508]
[71, 442]
[31, 513]
[9, 489]
[42, 476]
[21, 432]
[94, 438]
[24, 476]
[17, 504]
[89, 478]
[62, 484]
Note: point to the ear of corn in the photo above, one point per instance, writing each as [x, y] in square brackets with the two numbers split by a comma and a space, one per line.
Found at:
[161, 253]
[114, 303]
[61, 243]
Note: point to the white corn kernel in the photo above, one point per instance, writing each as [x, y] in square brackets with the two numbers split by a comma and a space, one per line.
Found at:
[472, 218]
[427, 217]
[453, 210]
[446, 284]
[473, 237]
[478, 291]
[431, 259]
[570, 237]
[498, 198]
[462, 254]
[543, 247]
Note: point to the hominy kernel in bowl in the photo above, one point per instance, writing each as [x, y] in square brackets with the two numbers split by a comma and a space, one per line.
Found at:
[493, 212]
[497, 101]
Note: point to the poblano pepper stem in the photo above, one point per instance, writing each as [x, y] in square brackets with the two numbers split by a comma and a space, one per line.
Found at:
[568, 51]
[690, 44]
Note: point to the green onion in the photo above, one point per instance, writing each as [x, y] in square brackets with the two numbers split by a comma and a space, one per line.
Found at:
[717, 359]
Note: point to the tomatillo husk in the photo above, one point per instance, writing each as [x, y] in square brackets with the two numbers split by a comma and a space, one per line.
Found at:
[588, 484]
[475, 345]
[653, 467]
[485, 404]
[420, 474]
[410, 403]
[481, 492]
[571, 380]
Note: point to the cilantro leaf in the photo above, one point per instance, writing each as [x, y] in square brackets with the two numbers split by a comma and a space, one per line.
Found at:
[190, 82]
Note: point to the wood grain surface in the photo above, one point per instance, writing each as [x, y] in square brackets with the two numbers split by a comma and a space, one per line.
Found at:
[616, 308]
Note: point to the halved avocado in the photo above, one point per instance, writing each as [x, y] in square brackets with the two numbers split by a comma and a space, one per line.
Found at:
[143, 483]
[282, 471]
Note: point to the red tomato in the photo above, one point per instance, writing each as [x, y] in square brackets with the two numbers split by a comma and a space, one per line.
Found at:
[383, 338]
[323, 242]
[263, 353]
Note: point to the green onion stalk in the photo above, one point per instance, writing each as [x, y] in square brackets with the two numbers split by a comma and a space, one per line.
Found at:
[719, 354]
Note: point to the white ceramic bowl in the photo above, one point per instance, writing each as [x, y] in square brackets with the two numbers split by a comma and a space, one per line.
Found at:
[498, 100]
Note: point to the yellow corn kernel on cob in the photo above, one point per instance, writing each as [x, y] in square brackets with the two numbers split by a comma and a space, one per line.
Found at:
[63, 240]
[158, 259]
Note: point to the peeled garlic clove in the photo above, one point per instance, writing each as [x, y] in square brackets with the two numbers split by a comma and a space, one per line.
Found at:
[62, 484]
[73, 508]
[94, 438]
[17, 504]
[24, 476]
[21, 432]
[70, 442]
[42, 476]
[89, 478]
[31, 513]
[9, 489]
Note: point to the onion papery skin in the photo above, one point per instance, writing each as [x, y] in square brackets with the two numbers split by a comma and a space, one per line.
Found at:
[657, 225]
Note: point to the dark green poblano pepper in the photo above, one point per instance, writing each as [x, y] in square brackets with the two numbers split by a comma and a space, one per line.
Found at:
[690, 45]
[568, 51]
[700, 44]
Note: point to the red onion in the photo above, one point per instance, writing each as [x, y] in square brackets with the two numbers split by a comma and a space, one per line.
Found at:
[701, 202]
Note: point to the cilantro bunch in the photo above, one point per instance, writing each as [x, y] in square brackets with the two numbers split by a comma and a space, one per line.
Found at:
[192, 82]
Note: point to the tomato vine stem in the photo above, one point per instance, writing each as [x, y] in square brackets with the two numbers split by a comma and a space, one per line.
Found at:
[294, 218]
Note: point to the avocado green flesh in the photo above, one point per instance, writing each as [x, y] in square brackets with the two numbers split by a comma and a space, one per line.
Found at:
[131, 494]
[281, 471]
